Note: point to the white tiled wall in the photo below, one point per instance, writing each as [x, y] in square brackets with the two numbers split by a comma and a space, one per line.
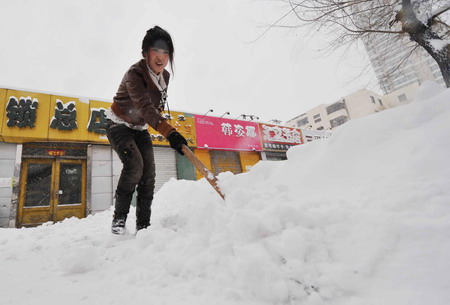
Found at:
[7, 161]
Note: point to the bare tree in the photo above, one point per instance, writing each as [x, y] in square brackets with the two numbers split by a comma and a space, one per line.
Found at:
[353, 20]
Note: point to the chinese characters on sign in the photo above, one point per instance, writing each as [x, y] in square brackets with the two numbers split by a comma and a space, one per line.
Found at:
[184, 128]
[201, 131]
[188, 132]
[56, 152]
[31, 117]
[21, 113]
[183, 123]
[97, 121]
[65, 117]
[219, 133]
[157, 137]
[281, 134]
[227, 129]
[279, 137]
[277, 146]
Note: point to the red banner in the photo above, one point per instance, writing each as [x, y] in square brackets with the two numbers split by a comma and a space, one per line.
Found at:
[218, 133]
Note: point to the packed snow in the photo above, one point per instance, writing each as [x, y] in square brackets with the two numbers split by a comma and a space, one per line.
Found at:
[362, 217]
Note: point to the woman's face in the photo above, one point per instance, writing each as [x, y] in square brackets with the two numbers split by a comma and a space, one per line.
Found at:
[157, 59]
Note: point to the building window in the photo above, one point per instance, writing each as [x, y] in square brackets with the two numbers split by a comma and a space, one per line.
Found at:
[320, 128]
[402, 98]
[316, 116]
[381, 103]
[338, 121]
[317, 120]
[335, 107]
[373, 99]
[302, 122]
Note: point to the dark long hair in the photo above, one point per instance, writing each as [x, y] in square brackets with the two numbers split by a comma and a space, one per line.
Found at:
[154, 34]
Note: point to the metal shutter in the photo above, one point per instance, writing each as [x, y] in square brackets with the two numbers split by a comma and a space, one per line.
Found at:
[166, 167]
[222, 161]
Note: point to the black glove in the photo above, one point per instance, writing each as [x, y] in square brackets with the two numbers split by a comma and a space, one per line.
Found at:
[176, 141]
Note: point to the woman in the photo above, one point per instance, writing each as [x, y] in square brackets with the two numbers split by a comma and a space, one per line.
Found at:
[139, 101]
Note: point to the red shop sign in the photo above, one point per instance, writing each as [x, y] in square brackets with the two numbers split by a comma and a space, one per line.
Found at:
[56, 152]
[218, 133]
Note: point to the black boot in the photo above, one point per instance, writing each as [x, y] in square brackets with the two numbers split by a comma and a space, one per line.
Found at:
[118, 225]
[143, 212]
[141, 226]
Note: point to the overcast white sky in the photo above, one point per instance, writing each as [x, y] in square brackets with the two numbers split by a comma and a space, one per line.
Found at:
[83, 48]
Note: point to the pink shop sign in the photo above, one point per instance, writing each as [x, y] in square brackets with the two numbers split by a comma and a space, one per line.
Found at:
[218, 133]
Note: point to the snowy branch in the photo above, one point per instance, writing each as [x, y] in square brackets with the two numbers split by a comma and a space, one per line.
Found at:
[348, 21]
[440, 10]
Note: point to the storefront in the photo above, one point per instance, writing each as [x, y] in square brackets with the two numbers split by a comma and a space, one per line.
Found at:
[56, 161]
[51, 137]
[49, 144]
[227, 145]
[276, 141]
[168, 163]
[48, 173]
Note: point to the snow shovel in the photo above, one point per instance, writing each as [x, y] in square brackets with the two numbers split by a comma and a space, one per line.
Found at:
[203, 169]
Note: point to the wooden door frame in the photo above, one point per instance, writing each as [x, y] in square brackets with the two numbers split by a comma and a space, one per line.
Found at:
[57, 207]
[54, 206]
[23, 188]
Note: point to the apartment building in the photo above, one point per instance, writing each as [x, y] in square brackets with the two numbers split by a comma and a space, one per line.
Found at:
[396, 66]
[330, 116]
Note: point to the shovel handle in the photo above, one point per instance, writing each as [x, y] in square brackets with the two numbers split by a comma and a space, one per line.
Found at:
[203, 169]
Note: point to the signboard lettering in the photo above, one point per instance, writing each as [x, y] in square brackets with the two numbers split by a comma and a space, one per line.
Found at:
[65, 117]
[21, 113]
[220, 133]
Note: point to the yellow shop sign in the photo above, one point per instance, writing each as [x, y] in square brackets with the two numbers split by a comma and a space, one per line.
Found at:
[30, 117]
[184, 124]
[26, 116]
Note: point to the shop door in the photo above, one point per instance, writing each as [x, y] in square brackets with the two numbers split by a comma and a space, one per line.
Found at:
[51, 190]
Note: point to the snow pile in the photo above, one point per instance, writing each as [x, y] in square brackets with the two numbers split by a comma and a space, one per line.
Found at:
[360, 218]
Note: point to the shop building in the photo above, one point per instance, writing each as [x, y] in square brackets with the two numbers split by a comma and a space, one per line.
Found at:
[56, 161]
[227, 145]
[276, 141]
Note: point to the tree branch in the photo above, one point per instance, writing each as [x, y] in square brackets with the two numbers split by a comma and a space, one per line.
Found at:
[440, 11]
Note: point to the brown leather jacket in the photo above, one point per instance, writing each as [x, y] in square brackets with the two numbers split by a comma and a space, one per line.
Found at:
[137, 99]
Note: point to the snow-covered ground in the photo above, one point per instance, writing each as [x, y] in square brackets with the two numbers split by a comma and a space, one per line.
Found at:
[360, 218]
